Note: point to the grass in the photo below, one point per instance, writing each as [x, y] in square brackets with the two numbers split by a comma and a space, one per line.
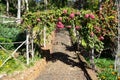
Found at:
[106, 67]
[13, 65]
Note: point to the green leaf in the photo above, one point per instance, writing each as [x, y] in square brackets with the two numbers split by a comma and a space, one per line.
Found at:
[83, 43]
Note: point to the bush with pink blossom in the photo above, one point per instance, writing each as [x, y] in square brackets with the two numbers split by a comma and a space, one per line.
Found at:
[86, 22]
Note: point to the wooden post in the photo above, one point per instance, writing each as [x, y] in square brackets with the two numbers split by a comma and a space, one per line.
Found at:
[45, 1]
[74, 30]
[7, 7]
[32, 45]
[27, 8]
[92, 59]
[27, 47]
[44, 36]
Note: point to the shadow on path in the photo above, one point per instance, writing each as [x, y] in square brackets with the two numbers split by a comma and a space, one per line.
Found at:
[65, 58]
[64, 52]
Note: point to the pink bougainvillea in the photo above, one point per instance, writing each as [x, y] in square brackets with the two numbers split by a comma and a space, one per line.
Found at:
[89, 16]
[78, 13]
[101, 38]
[38, 20]
[77, 27]
[91, 34]
[60, 18]
[64, 11]
[60, 25]
[92, 16]
[86, 15]
[98, 29]
[72, 15]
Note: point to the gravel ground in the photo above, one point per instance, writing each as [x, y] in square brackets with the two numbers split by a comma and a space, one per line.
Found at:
[63, 64]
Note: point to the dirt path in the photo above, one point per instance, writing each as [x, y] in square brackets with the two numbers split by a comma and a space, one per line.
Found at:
[64, 65]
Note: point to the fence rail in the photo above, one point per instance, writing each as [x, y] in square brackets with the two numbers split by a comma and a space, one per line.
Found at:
[29, 47]
[12, 55]
[12, 43]
[9, 19]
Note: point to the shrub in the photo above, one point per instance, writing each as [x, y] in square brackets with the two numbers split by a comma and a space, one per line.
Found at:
[8, 34]
[92, 29]
[108, 22]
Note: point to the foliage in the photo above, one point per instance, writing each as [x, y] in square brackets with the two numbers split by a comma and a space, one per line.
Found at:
[108, 22]
[37, 21]
[59, 3]
[14, 64]
[8, 34]
[40, 5]
[91, 38]
[87, 4]
[11, 65]
[106, 69]
[2, 6]
[92, 5]
[86, 22]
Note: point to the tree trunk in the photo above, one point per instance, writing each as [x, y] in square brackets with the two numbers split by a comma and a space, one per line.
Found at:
[7, 7]
[19, 11]
[27, 8]
[92, 59]
[45, 1]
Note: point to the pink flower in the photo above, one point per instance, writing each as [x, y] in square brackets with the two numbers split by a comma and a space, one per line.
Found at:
[87, 15]
[69, 26]
[60, 18]
[72, 15]
[92, 16]
[77, 13]
[91, 34]
[77, 27]
[65, 11]
[98, 29]
[60, 25]
[101, 38]
[100, 8]
[38, 20]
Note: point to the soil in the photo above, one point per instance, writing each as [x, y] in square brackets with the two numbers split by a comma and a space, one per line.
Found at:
[60, 63]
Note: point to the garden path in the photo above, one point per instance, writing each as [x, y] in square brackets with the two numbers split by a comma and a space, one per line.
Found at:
[63, 64]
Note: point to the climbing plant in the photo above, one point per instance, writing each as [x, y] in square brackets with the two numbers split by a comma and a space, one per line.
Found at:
[86, 22]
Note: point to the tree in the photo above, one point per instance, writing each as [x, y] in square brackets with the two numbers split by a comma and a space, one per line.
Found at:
[80, 4]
